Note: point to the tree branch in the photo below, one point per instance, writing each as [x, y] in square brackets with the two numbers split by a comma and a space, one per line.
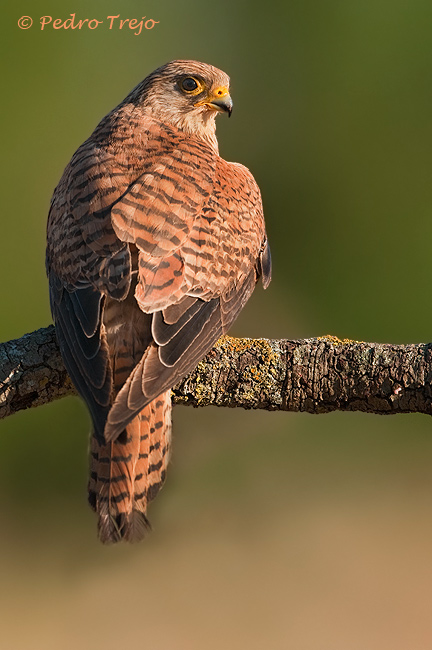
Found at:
[315, 375]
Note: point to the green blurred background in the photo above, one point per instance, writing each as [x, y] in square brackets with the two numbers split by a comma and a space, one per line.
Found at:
[274, 530]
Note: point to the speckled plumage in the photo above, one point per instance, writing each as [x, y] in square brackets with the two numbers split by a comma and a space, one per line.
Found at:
[155, 244]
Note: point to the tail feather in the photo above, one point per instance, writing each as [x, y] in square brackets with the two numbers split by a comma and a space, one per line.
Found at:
[160, 444]
[127, 474]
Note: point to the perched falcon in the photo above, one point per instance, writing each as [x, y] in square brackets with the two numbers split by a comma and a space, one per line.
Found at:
[155, 244]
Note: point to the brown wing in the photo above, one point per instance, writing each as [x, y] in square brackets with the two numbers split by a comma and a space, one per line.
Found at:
[195, 229]
[194, 290]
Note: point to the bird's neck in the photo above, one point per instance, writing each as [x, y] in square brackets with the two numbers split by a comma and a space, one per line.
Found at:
[200, 124]
[125, 118]
[204, 128]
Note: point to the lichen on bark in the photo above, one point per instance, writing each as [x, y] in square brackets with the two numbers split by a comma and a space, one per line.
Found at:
[315, 375]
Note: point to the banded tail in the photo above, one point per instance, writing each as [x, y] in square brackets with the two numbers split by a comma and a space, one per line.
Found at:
[126, 474]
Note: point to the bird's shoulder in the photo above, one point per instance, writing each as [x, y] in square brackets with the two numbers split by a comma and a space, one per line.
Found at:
[239, 181]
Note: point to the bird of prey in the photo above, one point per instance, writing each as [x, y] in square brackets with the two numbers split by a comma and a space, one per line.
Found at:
[154, 245]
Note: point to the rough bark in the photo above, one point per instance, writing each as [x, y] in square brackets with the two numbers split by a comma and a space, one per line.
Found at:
[316, 375]
[32, 372]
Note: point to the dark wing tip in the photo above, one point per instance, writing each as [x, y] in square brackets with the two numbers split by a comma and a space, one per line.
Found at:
[266, 265]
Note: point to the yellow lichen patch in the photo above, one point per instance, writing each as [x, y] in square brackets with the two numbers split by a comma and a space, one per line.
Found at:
[335, 340]
[244, 369]
[258, 377]
[204, 384]
[231, 344]
[183, 399]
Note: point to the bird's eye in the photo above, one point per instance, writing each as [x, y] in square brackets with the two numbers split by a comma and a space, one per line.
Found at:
[189, 84]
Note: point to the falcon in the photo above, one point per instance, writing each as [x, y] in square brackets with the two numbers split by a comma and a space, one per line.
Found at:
[154, 245]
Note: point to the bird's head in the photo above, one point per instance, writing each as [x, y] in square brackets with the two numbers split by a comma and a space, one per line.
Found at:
[187, 95]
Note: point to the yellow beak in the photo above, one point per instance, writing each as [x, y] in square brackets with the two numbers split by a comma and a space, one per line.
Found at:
[219, 100]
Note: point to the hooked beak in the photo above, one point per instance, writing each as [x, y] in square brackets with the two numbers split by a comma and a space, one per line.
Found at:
[218, 100]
